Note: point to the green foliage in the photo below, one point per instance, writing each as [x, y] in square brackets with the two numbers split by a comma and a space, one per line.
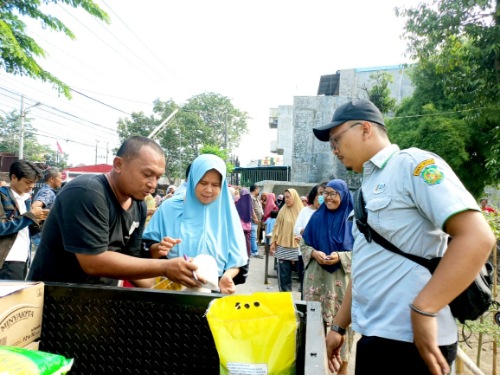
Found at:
[52, 159]
[203, 120]
[224, 123]
[221, 153]
[18, 51]
[33, 151]
[379, 92]
[456, 43]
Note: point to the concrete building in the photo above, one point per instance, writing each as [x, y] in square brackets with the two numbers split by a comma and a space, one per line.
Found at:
[310, 160]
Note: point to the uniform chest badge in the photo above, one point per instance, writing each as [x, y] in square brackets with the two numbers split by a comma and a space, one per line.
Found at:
[379, 188]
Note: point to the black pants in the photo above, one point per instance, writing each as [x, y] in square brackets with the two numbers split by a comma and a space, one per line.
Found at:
[376, 355]
[285, 275]
[14, 271]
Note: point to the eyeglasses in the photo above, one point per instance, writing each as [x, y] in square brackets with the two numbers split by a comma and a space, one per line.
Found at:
[332, 194]
[334, 142]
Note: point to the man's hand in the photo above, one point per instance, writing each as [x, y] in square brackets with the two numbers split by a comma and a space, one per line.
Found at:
[181, 271]
[334, 341]
[425, 337]
[162, 248]
[40, 213]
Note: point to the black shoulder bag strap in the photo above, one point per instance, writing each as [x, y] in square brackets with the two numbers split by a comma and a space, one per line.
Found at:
[370, 234]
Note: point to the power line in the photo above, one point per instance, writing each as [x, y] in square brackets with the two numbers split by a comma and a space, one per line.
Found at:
[104, 42]
[98, 101]
[115, 97]
[144, 44]
[79, 61]
[138, 57]
[59, 110]
[439, 113]
[84, 95]
[58, 137]
[83, 130]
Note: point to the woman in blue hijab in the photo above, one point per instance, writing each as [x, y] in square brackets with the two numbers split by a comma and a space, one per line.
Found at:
[326, 249]
[205, 222]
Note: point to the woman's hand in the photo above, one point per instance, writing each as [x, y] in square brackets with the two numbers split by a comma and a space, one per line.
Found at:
[226, 284]
[326, 260]
[162, 248]
[272, 249]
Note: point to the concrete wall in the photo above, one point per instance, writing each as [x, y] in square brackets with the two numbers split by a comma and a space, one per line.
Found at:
[400, 88]
[312, 161]
[285, 132]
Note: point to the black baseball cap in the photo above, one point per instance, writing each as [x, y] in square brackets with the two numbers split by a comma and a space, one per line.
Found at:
[356, 109]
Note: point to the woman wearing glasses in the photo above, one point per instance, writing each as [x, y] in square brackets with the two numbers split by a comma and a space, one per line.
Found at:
[326, 250]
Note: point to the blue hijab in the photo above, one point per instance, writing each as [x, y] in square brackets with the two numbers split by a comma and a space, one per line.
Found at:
[213, 229]
[329, 230]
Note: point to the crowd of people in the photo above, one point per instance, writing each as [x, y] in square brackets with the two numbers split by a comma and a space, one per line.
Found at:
[100, 229]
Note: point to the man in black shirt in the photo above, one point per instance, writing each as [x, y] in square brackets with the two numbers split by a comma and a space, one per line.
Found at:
[94, 232]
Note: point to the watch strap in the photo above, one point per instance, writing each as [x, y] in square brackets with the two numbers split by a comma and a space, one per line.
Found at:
[339, 329]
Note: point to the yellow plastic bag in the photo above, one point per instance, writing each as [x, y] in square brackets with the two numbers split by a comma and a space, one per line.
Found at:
[255, 334]
[166, 284]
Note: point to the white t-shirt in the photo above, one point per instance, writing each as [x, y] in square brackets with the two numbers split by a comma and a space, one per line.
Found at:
[21, 247]
[302, 220]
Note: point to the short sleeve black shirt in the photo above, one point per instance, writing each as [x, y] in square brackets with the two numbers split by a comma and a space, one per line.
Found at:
[86, 219]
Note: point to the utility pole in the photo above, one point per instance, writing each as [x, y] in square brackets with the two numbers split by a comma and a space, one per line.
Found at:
[96, 143]
[21, 137]
[160, 127]
[23, 117]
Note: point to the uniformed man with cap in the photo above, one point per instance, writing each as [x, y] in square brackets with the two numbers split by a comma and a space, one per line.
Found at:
[414, 200]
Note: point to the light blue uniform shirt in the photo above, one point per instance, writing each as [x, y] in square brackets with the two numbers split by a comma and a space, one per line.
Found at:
[409, 196]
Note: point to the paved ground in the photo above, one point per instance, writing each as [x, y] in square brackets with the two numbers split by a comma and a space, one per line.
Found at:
[255, 283]
[255, 280]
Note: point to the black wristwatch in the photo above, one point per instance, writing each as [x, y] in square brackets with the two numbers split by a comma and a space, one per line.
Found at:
[338, 329]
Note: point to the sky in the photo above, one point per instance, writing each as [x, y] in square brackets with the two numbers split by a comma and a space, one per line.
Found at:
[259, 54]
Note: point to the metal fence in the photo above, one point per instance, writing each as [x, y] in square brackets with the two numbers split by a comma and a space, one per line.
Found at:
[246, 176]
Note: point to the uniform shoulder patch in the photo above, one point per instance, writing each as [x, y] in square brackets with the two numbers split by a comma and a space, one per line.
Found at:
[422, 165]
[432, 175]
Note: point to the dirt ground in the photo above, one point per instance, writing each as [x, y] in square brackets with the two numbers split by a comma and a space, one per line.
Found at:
[486, 358]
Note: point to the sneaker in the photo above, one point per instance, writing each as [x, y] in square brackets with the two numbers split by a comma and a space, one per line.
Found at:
[258, 256]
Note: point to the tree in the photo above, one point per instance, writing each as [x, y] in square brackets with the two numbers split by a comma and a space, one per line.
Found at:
[224, 124]
[444, 135]
[379, 92]
[457, 43]
[33, 151]
[18, 51]
[197, 123]
[221, 153]
[53, 159]
[432, 121]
